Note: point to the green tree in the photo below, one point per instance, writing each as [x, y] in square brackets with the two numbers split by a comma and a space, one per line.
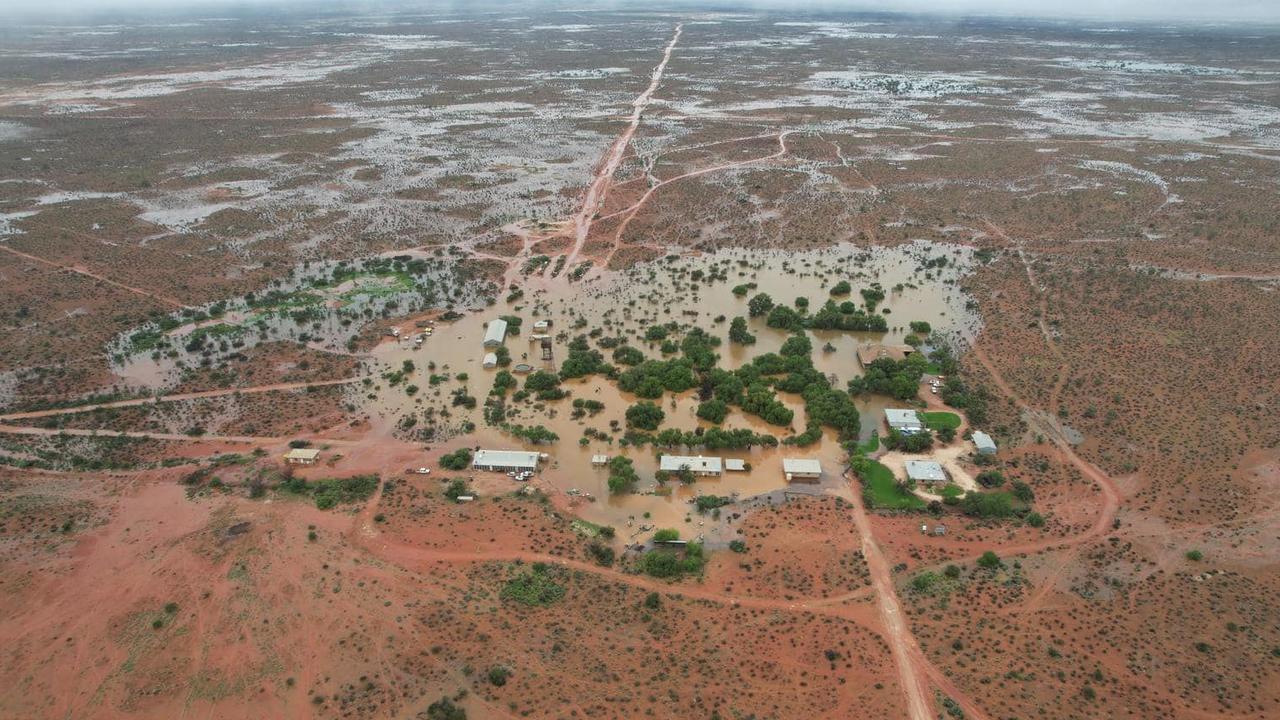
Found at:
[645, 416]
[713, 410]
[759, 305]
[738, 332]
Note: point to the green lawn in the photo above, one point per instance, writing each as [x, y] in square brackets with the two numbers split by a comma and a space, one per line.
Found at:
[881, 490]
[939, 420]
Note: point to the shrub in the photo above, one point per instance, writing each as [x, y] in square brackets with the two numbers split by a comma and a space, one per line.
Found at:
[498, 675]
[653, 601]
[602, 554]
[335, 491]
[444, 709]
[534, 587]
[1195, 555]
[459, 459]
[1023, 491]
[990, 478]
[989, 561]
[667, 563]
[737, 546]
[457, 488]
[987, 505]
[666, 535]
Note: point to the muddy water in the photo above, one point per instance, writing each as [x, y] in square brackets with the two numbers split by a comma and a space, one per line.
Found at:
[323, 314]
[625, 304]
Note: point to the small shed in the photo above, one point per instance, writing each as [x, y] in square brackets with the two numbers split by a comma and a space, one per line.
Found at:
[983, 443]
[925, 471]
[495, 333]
[490, 361]
[599, 459]
[302, 456]
[735, 465]
[542, 325]
[801, 469]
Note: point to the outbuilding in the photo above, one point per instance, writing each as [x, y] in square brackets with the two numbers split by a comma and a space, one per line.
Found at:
[735, 464]
[904, 421]
[925, 471]
[868, 354]
[983, 443]
[801, 469]
[490, 361]
[599, 459]
[302, 456]
[505, 460]
[495, 333]
[697, 464]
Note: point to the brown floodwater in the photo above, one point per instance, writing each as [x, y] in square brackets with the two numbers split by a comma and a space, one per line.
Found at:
[659, 292]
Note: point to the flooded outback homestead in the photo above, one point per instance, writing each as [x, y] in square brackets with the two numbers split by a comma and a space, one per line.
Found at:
[689, 361]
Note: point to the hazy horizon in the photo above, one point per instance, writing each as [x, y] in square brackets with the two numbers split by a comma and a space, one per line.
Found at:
[1265, 11]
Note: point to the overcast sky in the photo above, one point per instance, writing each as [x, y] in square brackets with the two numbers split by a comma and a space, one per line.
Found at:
[1149, 10]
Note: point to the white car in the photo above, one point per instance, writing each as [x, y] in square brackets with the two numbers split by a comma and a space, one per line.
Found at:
[424, 471]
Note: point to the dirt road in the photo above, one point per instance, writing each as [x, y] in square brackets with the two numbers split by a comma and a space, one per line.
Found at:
[171, 302]
[599, 188]
[911, 674]
[134, 402]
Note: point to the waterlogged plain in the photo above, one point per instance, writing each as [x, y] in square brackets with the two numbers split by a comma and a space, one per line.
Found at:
[295, 228]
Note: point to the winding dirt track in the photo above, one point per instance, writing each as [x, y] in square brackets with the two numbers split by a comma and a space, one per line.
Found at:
[599, 188]
[364, 532]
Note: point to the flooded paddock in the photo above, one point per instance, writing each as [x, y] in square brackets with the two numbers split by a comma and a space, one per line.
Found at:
[426, 382]
[690, 292]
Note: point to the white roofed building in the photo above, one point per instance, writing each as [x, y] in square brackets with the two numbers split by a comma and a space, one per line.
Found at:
[697, 464]
[505, 460]
[801, 469]
[925, 471]
[495, 333]
[983, 443]
[904, 421]
[302, 456]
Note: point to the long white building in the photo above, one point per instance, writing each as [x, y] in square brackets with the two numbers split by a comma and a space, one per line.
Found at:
[697, 464]
[505, 460]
